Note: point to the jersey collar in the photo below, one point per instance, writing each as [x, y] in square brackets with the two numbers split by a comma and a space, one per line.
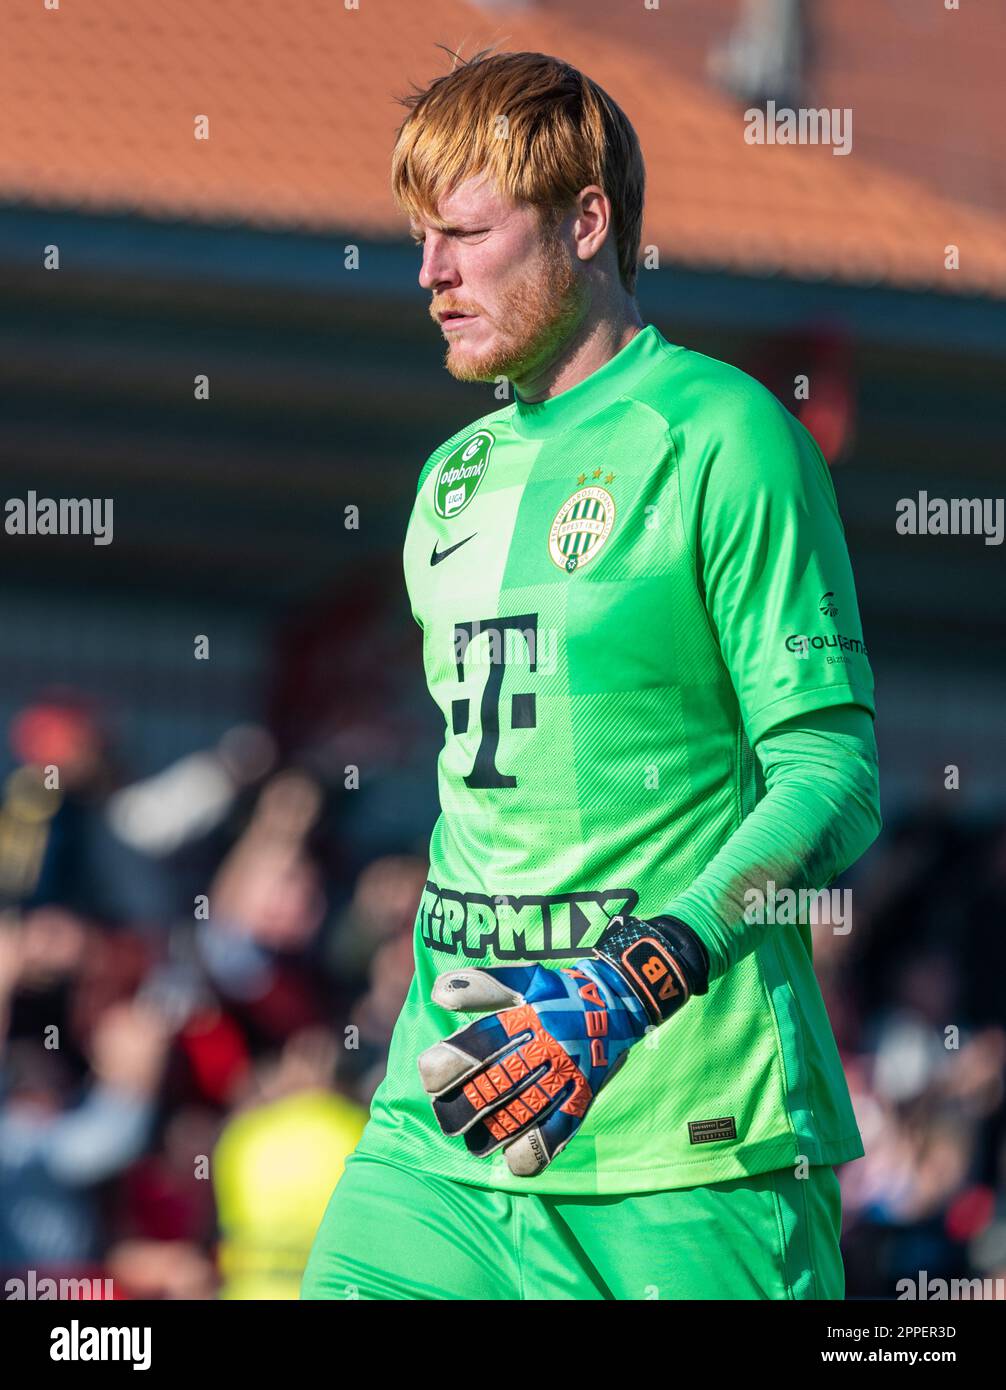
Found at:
[539, 419]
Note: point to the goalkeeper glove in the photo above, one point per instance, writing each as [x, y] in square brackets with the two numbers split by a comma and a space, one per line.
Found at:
[523, 1077]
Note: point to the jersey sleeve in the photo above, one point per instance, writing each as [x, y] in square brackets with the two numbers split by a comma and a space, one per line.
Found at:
[820, 812]
[760, 508]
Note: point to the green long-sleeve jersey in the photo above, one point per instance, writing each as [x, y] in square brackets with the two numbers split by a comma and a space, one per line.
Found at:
[621, 590]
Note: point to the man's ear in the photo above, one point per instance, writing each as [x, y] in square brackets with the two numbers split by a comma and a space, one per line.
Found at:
[592, 225]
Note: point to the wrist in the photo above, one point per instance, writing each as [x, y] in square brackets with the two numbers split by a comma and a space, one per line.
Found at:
[662, 959]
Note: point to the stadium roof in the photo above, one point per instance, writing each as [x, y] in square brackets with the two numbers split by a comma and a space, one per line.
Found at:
[300, 98]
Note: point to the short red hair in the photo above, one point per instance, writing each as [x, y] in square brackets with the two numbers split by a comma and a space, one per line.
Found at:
[537, 127]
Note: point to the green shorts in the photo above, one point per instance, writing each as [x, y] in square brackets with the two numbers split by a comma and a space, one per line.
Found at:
[392, 1232]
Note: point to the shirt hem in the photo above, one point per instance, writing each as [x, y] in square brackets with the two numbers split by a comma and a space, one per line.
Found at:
[797, 702]
[747, 1160]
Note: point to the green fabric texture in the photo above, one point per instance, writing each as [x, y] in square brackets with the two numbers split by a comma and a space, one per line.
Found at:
[623, 591]
[393, 1233]
[819, 813]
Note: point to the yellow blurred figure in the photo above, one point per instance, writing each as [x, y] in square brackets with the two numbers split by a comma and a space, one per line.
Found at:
[274, 1169]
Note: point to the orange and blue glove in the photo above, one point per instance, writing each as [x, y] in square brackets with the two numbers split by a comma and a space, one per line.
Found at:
[523, 1077]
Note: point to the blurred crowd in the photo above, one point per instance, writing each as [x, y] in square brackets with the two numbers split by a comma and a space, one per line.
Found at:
[915, 996]
[198, 987]
[194, 1011]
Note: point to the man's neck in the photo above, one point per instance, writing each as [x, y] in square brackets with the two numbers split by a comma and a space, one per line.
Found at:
[587, 349]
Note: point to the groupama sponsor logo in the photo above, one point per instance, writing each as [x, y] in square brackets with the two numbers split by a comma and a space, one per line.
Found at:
[461, 473]
[802, 645]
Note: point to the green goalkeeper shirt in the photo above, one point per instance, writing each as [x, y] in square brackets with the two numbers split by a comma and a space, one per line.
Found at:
[621, 590]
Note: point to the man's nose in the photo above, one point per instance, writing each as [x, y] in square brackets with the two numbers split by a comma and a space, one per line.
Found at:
[437, 273]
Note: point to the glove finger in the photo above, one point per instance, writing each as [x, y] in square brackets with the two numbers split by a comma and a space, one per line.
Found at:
[494, 1104]
[449, 1063]
[553, 1080]
[534, 1150]
[531, 1152]
[471, 1048]
[478, 991]
[517, 1114]
[479, 1068]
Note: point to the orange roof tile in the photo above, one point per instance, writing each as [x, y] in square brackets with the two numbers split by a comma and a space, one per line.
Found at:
[925, 82]
[300, 100]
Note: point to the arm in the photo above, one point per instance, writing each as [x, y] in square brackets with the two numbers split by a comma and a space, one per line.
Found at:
[818, 815]
[98, 1138]
[773, 570]
[108, 1130]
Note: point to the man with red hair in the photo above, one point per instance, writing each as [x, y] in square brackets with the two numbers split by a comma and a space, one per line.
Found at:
[640, 625]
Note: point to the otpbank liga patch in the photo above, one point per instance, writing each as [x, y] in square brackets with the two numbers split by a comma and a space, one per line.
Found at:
[461, 473]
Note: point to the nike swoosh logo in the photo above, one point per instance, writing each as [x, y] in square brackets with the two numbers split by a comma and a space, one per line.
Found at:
[437, 556]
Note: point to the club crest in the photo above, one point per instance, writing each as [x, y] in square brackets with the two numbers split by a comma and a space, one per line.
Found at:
[582, 525]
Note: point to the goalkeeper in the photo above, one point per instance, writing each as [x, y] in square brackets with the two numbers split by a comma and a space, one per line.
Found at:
[613, 1076]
